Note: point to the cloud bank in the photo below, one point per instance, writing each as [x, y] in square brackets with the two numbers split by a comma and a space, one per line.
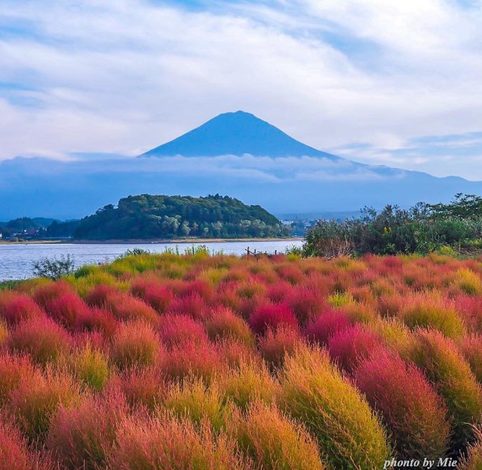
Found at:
[379, 81]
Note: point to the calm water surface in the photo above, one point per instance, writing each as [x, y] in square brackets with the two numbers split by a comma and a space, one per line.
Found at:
[16, 260]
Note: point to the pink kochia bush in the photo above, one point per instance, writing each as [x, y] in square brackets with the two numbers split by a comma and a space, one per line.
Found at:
[408, 404]
[221, 362]
[350, 346]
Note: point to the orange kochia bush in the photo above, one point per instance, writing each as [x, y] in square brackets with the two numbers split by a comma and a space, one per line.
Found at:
[243, 362]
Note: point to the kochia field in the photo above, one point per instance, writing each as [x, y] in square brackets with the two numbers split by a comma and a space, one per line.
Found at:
[219, 362]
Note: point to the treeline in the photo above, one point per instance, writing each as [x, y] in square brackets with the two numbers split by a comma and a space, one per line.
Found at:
[453, 227]
[37, 228]
[165, 217]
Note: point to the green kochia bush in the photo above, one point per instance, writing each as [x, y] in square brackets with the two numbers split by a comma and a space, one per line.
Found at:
[349, 434]
[273, 441]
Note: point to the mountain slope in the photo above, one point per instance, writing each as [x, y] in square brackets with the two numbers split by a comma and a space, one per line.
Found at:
[236, 133]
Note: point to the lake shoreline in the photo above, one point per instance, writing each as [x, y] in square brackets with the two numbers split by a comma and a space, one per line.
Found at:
[150, 241]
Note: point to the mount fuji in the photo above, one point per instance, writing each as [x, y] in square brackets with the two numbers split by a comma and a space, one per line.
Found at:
[237, 133]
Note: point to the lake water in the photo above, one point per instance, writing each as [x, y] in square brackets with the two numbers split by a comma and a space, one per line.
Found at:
[16, 259]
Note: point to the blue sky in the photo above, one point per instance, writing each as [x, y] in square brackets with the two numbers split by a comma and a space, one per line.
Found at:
[379, 81]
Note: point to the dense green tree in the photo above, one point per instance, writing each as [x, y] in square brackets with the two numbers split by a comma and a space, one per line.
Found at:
[151, 217]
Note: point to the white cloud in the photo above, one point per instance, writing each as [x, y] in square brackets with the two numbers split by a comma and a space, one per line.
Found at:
[126, 75]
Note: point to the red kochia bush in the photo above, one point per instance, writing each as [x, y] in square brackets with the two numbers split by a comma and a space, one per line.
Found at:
[470, 308]
[12, 370]
[14, 454]
[97, 320]
[350, 346]
[326, 325]
[16, 307]
[126, 307]
[274, 345]
[143, 387]
[66, 309]
[100, 294]
[180, 329]
[270, 315]
[41, 338]
[306, 303]
[411, 409]
[471, 347]
[82, 436]
[191, 304]
[199, 360]
[152, 292]
[48, 292]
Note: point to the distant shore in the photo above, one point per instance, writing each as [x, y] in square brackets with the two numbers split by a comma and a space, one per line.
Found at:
[149, 241]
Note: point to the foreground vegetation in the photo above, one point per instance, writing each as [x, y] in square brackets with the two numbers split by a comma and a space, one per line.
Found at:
[219, 362]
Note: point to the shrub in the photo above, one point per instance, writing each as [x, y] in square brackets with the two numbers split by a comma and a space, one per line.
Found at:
[41, 338]
[350, 346]
[305, 302]
[143, 387]
[50, 291]
[470, 309]
[274, 345]
[271, 316]
[190, 359]
[152, 292]
[125, 307]
[90, 366]
[233, 353]
[99, 296]
[165, 442]
[323, 327]
[192, 304]
[66, 309]
[14, 453]
[453, 379]
[395, 335]
[273, 441]
[97, 320]
[223, 323]
[37, 398]
[411, 409]
[15, 307]
[135, 344]
[82, 436]
[54, 268]
[180, 329]
[193, 400]
[471, 348]
[3, 334]
[468, 281]
[349, 435]
[426, 311]
[473, 459]
[12, 370]
[247, 383]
